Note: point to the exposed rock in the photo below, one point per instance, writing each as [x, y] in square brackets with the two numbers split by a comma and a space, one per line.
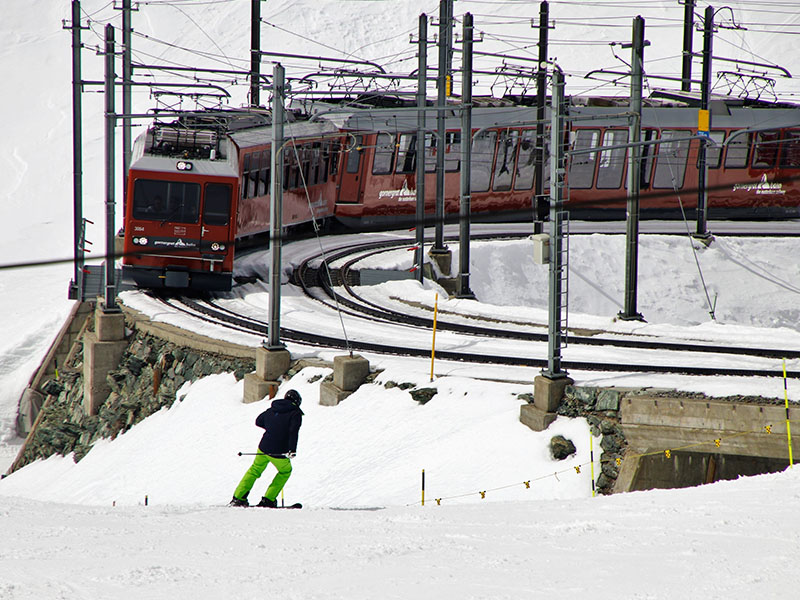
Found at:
[561, 447]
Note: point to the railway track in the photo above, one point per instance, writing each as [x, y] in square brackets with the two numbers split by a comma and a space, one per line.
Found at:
[500, 343]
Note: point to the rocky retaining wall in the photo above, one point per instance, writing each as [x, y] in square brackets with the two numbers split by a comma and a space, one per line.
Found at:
[149, 375]
[600, 407]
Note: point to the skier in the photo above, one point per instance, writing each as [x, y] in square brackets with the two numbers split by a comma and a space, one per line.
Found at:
[281, 422]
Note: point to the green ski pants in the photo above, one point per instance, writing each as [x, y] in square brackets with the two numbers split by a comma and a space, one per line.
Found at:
[284, 466]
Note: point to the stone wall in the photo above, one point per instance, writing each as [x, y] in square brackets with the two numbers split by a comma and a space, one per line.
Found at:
[146, 380]
[600, 407]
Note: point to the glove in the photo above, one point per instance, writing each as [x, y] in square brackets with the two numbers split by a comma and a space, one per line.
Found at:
[291, 454]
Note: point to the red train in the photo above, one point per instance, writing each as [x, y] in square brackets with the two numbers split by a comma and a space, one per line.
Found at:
[198, 185]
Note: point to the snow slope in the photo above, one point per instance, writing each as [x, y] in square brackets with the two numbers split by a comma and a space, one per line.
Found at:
[82, 531]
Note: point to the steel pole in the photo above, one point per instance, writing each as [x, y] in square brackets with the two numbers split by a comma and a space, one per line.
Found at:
[77, 155]
[445, 14]
[276, 207]
[541, 100]
[688, 33]
[127, 108]
[422, 84]
[464, 290]
[554, 370]
[705, 94]
[110, 123]
[629, 312]
[255, 52]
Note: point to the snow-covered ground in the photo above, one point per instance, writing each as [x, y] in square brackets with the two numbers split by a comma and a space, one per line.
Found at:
[82, 530]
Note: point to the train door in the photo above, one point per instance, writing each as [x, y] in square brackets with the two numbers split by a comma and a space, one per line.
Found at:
[352, 166]
[216, 232]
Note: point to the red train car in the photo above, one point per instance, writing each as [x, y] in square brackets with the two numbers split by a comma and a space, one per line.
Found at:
[200, 184]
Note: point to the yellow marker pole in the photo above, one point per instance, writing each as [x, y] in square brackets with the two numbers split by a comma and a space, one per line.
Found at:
[591, 458]
[788, 423]
[423, 487]
[433, 343]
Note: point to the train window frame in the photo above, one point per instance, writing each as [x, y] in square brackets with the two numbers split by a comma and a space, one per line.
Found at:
[714, 151]
[790, 141]
[165, 211]
[210, 217]
[482, 164]
[525, 172]
[353, 163]
[406, 153]
[503, 176]
[383, 154]
[587, 163]
[452, 152]
[264, 173]
[430, 153]
[734, 159]
[764, 155]
[611, 163]
[675, 183]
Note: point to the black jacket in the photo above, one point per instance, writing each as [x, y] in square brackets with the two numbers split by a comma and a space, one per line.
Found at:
[282, 422]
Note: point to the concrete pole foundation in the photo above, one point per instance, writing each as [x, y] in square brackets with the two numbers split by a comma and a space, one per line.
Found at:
[271, 364]
[102, 351]
[547, 395]
[349, 372]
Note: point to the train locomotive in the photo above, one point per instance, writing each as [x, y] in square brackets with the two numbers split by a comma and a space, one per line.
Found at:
[200, 184]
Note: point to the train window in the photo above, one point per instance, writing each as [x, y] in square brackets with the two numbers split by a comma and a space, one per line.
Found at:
[430, 153]
[526, 146]
[354, 150]
[316, 164]
[648, 155]
[482, 159]
[790, 149]
[245, 174]
[217, 205]
[384, 154]
[581, 167]
[333, 157]
[452, 153]
[714, 151]
[504, 167]
[407, 153]
[611, 163]
[765, 149]
[671, 161]
[252, 179]
[167, 201]
[263, 174]
[738, 151]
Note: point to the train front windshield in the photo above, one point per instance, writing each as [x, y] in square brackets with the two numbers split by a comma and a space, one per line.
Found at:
[167, 201]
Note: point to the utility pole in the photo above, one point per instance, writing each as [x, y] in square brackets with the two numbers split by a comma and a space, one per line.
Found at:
[255, 52]
[629, 312]
[464, 290]
[443, 83]
[127, 108]
[422, 87]
[110, 304]
[276, 207]
[705, 94]
[557, 172]
[688, 31]
[541, 99]
[76, 291]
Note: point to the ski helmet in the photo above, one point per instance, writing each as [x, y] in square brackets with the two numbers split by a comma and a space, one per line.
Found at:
[293, 397]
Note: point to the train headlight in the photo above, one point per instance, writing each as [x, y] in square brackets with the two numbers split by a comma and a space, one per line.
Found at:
[140, 241]
[184, 165]
[217, 247]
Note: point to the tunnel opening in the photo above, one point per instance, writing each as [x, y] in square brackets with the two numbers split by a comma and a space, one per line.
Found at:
[689, 469]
